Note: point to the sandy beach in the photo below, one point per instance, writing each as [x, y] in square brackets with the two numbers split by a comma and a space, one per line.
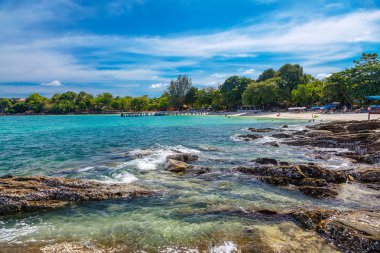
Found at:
[317, 117]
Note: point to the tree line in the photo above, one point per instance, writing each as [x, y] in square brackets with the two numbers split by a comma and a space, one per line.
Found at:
[287, 86]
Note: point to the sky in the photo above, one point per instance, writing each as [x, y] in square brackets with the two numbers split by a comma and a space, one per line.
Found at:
[135, 47]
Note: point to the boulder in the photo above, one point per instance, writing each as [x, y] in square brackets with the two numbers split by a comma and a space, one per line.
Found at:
[281, 135]
[271, 143]
[261, 130]
[183, 157]
[179, 166]
[35, 193]
[176, 166]
[265, 160]
[249, 137]
[367, 176]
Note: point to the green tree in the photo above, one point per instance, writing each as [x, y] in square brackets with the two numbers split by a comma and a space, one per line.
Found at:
[5, 103]
[178, 90]
[204, 97]
[37, 103]
[267, 74]
[290, 75]
[191, 96]
[104, 101]
[307, 94]
[232, 90]
[263, 94]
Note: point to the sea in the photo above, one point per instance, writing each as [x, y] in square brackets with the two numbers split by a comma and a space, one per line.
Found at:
[191, 213]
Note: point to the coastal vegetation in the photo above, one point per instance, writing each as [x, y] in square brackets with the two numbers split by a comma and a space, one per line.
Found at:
[288, 86]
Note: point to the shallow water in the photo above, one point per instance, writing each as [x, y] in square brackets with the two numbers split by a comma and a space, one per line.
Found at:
[189, 214]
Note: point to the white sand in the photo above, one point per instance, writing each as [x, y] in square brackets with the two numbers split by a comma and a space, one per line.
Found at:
[321, 116]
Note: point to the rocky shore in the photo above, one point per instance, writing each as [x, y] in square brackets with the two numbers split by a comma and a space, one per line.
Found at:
[37, 193]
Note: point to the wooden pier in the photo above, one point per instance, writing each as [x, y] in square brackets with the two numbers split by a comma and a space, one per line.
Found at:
[174, 113]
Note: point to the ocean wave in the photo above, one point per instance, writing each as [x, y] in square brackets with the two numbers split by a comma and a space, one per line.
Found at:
[150, 159]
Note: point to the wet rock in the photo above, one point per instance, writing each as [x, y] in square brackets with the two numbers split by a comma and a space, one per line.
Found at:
[319, 133]
[363, 125]
[351, 231]
[318, 192]
[25, 194]
[286, 237]
[310, 179]
[292, 172]
[283, 181]
[285, 126]
[281, 135]
[271, 143]
[367, 176]
[179, 166]
[261, 130]
[315, 171]
[249, 137]
[183, 157]
[265, 160]
[176, 166]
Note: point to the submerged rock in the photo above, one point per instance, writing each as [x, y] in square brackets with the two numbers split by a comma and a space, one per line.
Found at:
[249, 137]
[281, 135]
[352, 231]
[286, 237]
[261, 130]
[34, 193]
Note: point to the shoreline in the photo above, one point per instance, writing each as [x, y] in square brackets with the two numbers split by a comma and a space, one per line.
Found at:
[318, 117]
[307, 116]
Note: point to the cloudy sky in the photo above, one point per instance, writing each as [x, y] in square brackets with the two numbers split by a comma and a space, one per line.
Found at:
[135, 47]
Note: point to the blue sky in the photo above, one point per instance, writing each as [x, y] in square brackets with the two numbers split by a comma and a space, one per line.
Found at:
[135, 47]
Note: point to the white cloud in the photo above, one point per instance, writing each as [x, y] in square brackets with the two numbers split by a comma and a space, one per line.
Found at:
[34, 55]
[323, 75]
[248, 71]
[52, 83]
[157, 86]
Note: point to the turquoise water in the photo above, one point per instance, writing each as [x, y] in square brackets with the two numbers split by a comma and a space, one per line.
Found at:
[189, 212]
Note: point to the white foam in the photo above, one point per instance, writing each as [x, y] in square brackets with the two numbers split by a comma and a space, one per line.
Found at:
[86, 169]
[150, 159]
[226, 247]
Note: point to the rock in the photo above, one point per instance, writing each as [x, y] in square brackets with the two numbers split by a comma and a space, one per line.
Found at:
[286, 237]
[35, 193]
[285, 126]
[319, 133]
[176, 166]
[265, 160]
[363, 125]
[283, 181]
[367, 176]
[249, 137]
[281, 135]
[261, 130]
[183, 157]
[314, 171]
[291, 172]
[318, 192]
[179, 166]
[309, 179]
[271, 143]
[351, 231]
